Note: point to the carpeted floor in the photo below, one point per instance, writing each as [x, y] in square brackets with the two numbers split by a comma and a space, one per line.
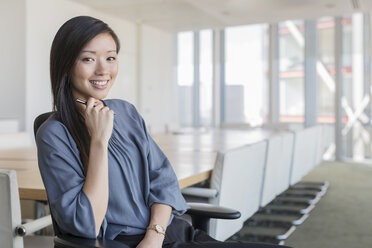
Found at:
[343, 217]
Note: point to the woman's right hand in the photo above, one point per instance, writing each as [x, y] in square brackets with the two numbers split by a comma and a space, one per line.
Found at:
[99, 120]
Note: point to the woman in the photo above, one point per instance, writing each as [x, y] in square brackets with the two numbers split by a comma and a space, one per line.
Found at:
[104, 175]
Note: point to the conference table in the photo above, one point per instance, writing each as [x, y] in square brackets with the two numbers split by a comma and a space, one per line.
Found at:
[213, 140]
[190, 168]
[192, 155]
[24, 153]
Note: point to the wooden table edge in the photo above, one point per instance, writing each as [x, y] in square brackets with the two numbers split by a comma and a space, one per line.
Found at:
[33, 194]
[189, 181]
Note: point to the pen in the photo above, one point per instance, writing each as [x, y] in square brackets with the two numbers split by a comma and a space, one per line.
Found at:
[81, 101]
[85, 102]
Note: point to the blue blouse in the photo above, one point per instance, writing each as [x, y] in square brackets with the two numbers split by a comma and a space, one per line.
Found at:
[139, 175]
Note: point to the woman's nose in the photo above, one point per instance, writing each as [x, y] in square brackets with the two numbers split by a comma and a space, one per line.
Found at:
[101, 68]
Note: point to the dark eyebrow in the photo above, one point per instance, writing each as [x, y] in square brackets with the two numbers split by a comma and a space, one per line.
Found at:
[86, 51]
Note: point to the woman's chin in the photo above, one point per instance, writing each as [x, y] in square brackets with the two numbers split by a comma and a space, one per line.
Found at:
[98, 96]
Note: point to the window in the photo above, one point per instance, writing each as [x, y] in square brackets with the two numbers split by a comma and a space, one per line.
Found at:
[291, 71]
[206, 75]
[185, 79]
[246, 49]
[326, 70]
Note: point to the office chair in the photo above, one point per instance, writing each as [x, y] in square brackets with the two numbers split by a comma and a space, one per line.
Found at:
[285, 201]
[294, 199]
[200, 213]
[278, 225]
[236, 183]
[12, 233]
[305, 158]
[314, 142]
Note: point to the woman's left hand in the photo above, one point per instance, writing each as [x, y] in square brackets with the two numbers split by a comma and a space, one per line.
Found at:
[152, 239]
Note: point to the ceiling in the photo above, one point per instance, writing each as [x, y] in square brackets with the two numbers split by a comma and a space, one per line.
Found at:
[181, 15]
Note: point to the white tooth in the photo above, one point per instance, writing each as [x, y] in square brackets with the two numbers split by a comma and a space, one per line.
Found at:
[98, 82]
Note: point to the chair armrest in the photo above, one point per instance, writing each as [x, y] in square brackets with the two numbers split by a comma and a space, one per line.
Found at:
[70, 241]
[33, 226]
[201, 192]
[212, 211]
[201, 213]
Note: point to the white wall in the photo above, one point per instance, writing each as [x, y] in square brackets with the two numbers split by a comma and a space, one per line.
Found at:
[157, 79]
[12, 54]
[41, 27]
[125, 86]
[25, 49]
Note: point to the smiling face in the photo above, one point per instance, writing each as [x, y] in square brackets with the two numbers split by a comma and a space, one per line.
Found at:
[95, 68]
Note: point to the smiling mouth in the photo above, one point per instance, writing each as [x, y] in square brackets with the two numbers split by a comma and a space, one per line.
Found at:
[99, 82]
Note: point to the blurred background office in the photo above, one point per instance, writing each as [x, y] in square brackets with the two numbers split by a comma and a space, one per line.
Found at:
[207, 64]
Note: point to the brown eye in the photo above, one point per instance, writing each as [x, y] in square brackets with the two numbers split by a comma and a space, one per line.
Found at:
[87, 59]
[111, 58]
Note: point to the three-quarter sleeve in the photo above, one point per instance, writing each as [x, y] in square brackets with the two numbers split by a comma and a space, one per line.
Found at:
[164, 187]
[63, 176]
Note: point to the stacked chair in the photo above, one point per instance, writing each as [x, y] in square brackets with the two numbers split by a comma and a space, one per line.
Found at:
[291, 206]
[278, 200]
[274, 221]
[320, 145]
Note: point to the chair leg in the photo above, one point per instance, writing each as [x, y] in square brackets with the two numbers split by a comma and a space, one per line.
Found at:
[200, 223]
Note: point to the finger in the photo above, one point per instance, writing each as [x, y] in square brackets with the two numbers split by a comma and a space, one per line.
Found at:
[98, 103]
[90, 103]
[105, 109]
[98, 106]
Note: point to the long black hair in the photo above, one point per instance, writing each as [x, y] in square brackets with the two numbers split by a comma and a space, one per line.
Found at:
[67, 44]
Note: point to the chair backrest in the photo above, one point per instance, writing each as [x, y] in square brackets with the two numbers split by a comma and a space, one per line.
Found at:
[304, 153]
[237, 176]
[37, 123]
[40, 120]
[276, 126]
[278, 165]
[320, 132]
[10, 211]
[312, 137]
[288, 141]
